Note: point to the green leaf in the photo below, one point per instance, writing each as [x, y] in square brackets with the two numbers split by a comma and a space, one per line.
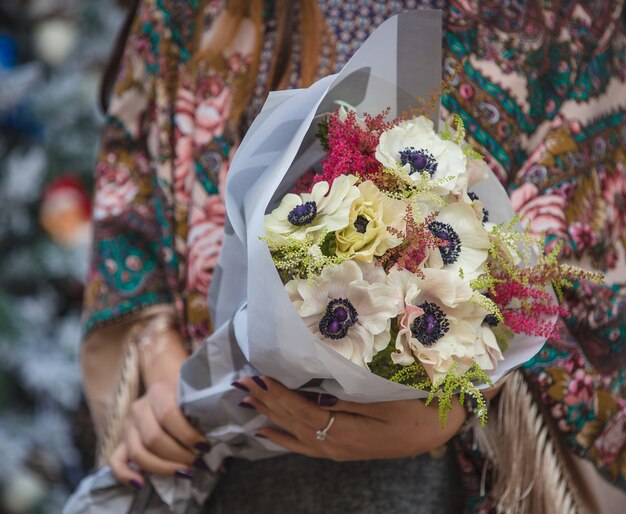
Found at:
[503, 335]
[381, 364]
[322, 134]
[329, 245]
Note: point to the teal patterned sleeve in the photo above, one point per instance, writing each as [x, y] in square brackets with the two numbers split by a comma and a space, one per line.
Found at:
[130, 254]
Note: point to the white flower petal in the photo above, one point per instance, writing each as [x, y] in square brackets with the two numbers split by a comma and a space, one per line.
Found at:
[332, 211]
[375, 303]
[418, 133]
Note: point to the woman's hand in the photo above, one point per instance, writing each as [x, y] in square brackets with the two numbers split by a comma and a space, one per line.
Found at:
[385, 430]
[157, 438]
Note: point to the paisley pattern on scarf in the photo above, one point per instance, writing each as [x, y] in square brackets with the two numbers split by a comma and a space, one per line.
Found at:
[541, 89]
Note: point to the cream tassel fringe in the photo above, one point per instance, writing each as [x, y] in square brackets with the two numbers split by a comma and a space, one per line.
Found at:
[126, 394]
[528, 477]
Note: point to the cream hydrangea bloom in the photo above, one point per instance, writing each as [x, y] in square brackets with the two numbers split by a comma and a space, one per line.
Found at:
[440, 324]
[349, 307]
[366, 234]
[414, 145]
[324, 209]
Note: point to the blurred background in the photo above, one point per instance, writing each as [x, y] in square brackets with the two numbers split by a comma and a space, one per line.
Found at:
[52, 54]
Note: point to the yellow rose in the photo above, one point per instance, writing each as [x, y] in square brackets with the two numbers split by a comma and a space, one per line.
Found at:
[366, 235]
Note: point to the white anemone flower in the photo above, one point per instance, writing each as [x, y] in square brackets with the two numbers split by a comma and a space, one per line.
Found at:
[349, 307]
[482, 214]
[440, 323]
[324, 209]
[466, 241]
[488, 352]
[414, 145]
[477, 171]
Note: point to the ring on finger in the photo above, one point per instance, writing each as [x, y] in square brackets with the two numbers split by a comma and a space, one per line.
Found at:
[321, 434]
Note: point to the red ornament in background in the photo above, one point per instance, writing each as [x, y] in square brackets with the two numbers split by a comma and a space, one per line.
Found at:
[65, 211]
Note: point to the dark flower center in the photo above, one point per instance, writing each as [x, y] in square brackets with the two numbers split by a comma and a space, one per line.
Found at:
[360, 224]
[419, 160]
[340, 315]
[473, 197]
[491, 320]
[451, 248]
[302, 214]
[430, 326]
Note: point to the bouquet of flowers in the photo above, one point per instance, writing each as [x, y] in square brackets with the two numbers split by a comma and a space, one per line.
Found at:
[390, 258]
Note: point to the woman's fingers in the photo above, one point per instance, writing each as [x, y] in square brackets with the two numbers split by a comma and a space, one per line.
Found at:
[164, 404]
[294, 426]
[118, 463]
[377, 410]
[285, 403]
[278, 397]
[289, 442]
[147, 461]
[382, 430]
[155, 439]
[330, 448]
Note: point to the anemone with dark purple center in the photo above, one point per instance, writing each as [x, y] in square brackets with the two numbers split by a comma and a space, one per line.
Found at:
[419, 160]
[340, 315]
[430, 326]
[451, 249]
[473, 197]
[303, 214]
[491, 320]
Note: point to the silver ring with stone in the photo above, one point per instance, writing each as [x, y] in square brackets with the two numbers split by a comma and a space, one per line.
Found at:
[320, 435]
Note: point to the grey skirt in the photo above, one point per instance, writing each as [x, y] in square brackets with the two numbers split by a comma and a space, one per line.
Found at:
[294, 484]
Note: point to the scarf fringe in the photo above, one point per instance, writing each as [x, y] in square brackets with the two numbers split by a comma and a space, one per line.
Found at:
[126, 394]
[528, 477]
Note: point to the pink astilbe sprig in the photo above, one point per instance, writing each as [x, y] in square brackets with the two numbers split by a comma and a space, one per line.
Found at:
[418, 241]
[305, 183]
[527, 309]
[352, 146]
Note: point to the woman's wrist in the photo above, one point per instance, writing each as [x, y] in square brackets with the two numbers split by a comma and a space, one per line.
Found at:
[161, 349]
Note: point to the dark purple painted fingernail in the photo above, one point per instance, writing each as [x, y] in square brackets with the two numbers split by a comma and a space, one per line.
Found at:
[184, 473]
[135, 485]
[259, 381]
[246, 405]
[200, 464]
[260, 436]
[327, 400]
[202, 447]
[240, 387]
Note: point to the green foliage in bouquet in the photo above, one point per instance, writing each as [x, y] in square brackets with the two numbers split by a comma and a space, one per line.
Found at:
[322, 134]
[457, 135]
[444, 390]
[295, 258]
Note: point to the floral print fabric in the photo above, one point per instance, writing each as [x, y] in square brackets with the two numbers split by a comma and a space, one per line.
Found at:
[541, 89]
